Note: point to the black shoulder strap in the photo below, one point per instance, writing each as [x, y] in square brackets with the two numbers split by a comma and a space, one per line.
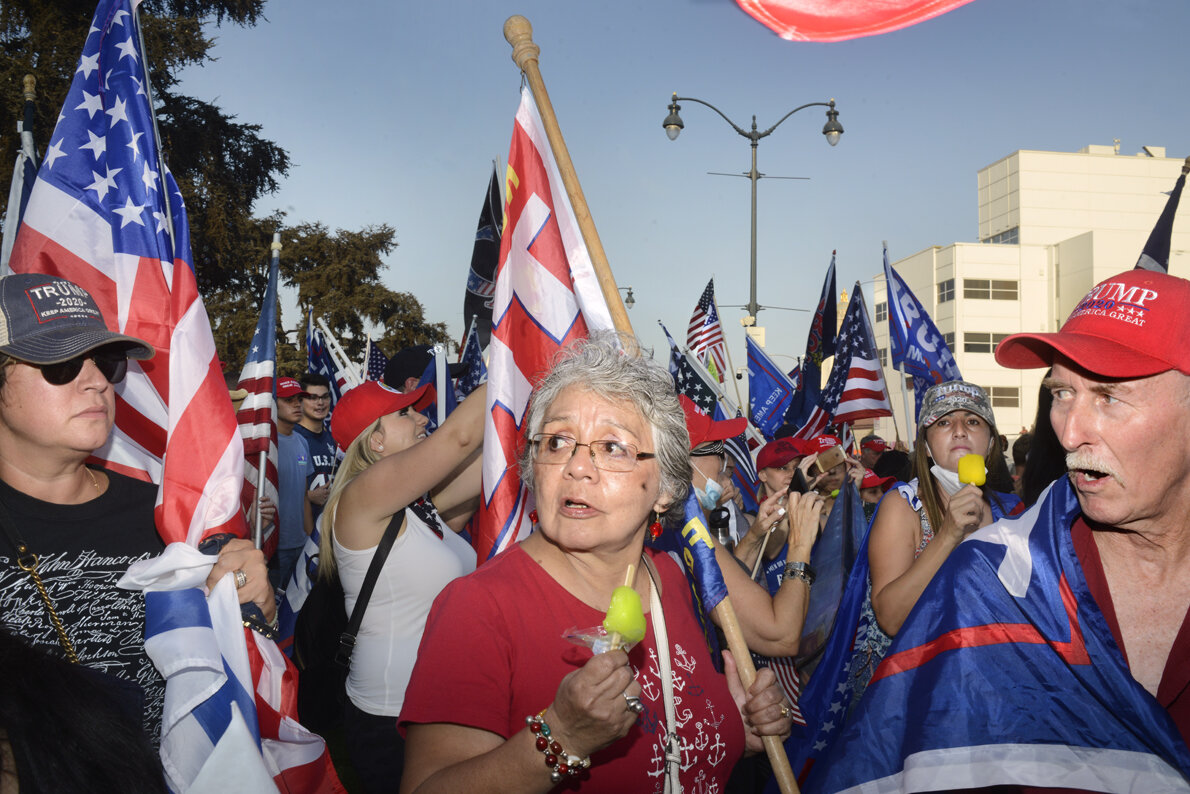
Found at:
[347, 638]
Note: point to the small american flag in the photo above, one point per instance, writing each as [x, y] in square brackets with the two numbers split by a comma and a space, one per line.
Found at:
[704, 336]
[477, 371]
[376, 362]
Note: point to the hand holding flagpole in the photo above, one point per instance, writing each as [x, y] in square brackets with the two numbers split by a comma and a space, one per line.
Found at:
[519, 34]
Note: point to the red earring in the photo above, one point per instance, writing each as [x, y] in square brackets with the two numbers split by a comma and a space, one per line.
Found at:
[655, 529]
[533, 516]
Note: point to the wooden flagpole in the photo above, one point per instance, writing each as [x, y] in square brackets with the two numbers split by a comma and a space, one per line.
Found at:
[519, 34]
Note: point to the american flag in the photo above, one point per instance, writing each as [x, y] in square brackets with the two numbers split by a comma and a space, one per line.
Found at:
[472, 356]
[258, 425]
[23, 174]
[855, 388]
[319, 360]
[107, 215]
[704, 336]
[376, 361]
[546, 297]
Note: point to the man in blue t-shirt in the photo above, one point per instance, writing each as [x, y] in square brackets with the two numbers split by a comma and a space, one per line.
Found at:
[316, 404]
[294, 468]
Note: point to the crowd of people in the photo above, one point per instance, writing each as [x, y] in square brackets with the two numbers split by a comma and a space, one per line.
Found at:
[1019, 628]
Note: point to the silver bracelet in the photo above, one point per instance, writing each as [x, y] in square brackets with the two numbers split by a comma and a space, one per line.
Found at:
[801, 570]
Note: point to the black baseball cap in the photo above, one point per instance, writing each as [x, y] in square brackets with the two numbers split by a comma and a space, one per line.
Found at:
[411, 362]
[47, 320]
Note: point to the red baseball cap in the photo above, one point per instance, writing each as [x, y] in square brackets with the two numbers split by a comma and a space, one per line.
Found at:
[362, 405]
[822, 443]
[875, 442]
[288, 387]
[703, 429]
[778, 452]
[1130, 326]
[872, 480]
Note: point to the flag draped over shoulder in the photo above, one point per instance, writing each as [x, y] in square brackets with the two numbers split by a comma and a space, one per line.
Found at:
[855, 389]
[1155, 254]
[1006, 673]
[917, 347]
[105, 215]
[319, 360]
[258, 425]
[704, 334]
[481, 287]
[769, 391]
[820, 345]
[546, 296]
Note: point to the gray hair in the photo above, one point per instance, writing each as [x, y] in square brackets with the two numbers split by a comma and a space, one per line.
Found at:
[615, 368]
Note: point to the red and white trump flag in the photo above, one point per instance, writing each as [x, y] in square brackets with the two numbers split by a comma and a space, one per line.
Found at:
[546, 296]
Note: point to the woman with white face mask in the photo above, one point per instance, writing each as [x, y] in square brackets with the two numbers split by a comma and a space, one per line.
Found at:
[919, 523]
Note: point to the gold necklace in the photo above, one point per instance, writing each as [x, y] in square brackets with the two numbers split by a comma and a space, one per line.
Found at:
[94, 481]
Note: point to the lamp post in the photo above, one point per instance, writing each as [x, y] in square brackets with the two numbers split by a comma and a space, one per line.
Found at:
[832, 130]
[629, 299]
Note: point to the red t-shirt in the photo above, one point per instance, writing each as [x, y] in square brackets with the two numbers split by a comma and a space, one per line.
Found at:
[494, 653]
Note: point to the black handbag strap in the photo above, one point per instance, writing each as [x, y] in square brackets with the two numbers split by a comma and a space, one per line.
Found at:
[347, 638]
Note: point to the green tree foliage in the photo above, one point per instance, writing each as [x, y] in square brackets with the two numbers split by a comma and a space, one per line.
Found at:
[223, 168]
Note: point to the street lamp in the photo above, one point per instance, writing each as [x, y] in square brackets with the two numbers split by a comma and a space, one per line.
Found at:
[629, 301]
[832, 130]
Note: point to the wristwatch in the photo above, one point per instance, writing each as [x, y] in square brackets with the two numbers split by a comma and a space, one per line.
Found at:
[801, 570]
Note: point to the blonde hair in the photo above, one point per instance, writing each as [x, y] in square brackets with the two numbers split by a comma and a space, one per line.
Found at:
[359, 456]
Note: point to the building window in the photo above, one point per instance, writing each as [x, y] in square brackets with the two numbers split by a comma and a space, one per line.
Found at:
[883, 352]
[1004, 396]
[1010, 237]
[881, 311]
[946, 290]
[989, 289]
[949, 339]
[979, 342]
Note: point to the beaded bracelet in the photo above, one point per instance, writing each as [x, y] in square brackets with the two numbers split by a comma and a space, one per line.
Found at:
[560, 763]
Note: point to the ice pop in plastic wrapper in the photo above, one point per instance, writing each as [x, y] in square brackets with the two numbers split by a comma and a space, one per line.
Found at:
[972, 470]
[623, 625]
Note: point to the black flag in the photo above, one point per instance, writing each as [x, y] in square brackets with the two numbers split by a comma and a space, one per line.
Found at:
[481, 279]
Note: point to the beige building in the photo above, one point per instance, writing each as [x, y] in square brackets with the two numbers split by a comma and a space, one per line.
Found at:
[1051, 226]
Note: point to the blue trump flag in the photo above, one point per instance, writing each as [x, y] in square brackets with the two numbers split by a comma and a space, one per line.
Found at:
[820, 345]
[770, 392]
[692, 547]
[1007, 673]
[917, 347]
[1155, 255]
[318, 359]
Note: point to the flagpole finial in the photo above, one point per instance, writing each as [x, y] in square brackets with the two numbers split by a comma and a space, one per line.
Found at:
[30, 88]
[519, 33]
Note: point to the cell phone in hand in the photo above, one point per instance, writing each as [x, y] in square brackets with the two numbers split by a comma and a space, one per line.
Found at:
[798, 484]
[829, 459]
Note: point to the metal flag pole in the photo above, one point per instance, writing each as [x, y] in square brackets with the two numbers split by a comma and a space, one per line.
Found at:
[440, 381]
[888, 298]
[727, 351]
[519, 34]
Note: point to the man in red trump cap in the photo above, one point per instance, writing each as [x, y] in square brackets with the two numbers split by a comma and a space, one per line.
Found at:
[1066, 632]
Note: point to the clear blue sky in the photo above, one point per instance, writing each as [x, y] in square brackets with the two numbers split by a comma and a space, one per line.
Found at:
[392, 113]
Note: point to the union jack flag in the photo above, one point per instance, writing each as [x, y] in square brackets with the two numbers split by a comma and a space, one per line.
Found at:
[258, 425]
[855, 388]
[704, 335]
[547, 296]
[107, 215]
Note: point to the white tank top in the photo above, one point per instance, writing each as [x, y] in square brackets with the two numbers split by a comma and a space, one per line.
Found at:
[418, 567]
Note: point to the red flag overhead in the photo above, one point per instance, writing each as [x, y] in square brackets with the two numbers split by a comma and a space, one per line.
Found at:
[839, 20]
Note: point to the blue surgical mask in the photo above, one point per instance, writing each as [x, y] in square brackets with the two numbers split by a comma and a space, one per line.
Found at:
[709, 498]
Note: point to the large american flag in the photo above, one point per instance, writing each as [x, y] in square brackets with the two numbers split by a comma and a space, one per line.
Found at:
[704, 335]
[258, 424]
[105, 214]
[547, 296]
[855, 389]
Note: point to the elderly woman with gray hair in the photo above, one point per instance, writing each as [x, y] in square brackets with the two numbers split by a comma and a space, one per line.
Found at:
[501, 697]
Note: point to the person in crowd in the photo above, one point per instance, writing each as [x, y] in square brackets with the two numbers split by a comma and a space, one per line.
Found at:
[1046, 461]
[895, 463]
[404, 370]
[295, 520]
[1020, 456]
[922, 521]
[831, 480]
[393, 473]
[872, 489]
[316, 404]
[81, 525]
[777, 464]
[500, 699]
[1068, 631]
[871, 448]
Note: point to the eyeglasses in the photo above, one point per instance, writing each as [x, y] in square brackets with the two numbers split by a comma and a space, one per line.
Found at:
[316, 397]
[554, 450]
[112, 365]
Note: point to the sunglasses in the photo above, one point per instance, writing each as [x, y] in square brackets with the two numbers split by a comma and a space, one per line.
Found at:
[111, 364]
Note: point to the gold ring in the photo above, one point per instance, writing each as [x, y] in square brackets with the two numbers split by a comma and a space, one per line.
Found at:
[241, 578]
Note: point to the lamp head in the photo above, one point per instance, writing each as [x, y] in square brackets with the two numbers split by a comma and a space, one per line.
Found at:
[629, 301]
[673, 122]
[833, 130]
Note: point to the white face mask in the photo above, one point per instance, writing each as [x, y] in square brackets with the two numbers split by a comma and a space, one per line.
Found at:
[709, 498]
